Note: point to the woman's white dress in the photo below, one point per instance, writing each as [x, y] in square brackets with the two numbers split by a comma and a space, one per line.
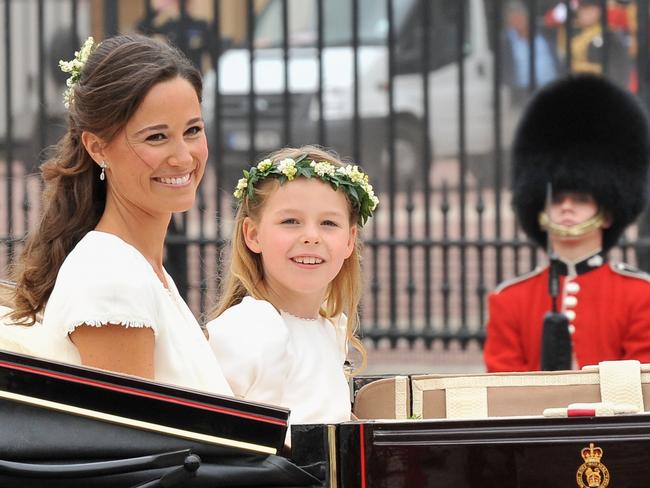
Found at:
[103, 281]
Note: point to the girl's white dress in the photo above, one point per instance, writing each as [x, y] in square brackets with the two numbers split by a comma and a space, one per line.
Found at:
[103, 281]
[277, 358]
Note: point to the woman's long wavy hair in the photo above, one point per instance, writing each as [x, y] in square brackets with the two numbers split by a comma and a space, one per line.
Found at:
[246, 273]
[114, 81]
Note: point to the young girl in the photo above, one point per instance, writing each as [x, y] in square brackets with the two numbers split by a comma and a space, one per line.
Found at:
[288, 309]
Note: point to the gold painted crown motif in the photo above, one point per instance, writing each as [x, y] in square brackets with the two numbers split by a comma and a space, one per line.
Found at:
[594, 478]
[592, 454]
[592, 471]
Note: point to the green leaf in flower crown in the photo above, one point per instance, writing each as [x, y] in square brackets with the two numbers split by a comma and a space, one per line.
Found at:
[353, 192]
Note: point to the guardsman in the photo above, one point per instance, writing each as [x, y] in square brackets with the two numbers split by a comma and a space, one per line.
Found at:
[587, 140]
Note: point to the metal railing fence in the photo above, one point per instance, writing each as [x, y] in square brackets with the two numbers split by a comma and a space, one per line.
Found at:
[423, 94]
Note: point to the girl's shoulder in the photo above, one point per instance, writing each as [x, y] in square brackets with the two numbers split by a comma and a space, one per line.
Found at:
[248, 314]
[252, 323]
[340, 325]
[340, 321]
[252, 307]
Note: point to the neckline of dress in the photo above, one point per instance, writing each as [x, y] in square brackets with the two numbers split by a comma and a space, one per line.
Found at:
[167, 287]
[308, 319]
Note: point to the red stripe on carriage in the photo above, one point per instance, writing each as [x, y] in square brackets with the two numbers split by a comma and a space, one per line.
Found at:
[581, 412]
[362, 454]
[133, 391]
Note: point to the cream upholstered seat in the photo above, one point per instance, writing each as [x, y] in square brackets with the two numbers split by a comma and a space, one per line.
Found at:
[383, 398]
[6, 293]
[487, 395]
[16, 338]
[530, 393]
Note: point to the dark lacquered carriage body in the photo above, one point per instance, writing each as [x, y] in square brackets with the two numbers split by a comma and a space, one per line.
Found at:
[498, 453]
[66, 426]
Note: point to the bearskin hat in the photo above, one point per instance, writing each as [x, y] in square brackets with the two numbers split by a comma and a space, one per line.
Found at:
[582, 133]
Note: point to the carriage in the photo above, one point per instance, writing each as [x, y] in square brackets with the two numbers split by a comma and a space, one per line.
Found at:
[70, 426]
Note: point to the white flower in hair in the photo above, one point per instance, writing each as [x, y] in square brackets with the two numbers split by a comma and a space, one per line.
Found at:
[74, 67]
[346, 170]
[264, 165]
[375, 201]
[242, 184]
[357, 176]
[323, 168]
[288, 168]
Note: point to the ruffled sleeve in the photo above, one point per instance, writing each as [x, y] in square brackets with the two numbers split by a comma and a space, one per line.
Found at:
[102, 281]
[250, 341]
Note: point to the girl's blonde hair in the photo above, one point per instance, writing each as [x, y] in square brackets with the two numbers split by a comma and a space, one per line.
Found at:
[246, 273]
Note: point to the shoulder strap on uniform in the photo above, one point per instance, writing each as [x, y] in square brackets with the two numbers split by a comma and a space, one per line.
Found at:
[630, 271]
[518, 279]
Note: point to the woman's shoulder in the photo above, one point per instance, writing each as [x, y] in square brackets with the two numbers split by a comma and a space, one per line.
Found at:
[104, 267]
[98, 247]
[103, 254]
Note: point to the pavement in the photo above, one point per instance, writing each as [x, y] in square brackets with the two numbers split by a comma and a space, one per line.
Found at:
[420, 360]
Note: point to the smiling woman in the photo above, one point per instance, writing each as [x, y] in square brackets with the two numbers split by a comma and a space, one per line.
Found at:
[153, 167]
[135, 151]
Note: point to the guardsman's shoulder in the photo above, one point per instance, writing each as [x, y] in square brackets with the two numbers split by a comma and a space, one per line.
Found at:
[629, 271]
[519, 279]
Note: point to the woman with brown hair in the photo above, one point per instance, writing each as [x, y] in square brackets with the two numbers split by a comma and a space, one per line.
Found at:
[135, 151]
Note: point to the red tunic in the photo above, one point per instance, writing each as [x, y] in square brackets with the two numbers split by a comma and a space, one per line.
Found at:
[608, 310]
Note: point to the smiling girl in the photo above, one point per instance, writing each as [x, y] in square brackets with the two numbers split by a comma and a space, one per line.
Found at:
[135, 152]
[289, 305]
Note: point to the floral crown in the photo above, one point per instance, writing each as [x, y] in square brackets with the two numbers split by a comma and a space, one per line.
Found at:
[74, 67]
[349, 178]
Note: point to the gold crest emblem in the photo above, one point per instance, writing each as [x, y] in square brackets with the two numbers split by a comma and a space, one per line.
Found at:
[592, 473]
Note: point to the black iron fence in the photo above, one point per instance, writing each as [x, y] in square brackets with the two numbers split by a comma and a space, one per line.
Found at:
[424, 94]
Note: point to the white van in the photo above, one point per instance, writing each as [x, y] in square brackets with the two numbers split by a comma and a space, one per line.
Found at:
[373, 83]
